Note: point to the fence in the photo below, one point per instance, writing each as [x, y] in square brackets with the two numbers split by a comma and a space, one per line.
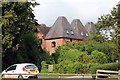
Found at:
[106, 74]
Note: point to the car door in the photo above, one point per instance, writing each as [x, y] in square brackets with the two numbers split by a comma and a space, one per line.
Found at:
[11, 72]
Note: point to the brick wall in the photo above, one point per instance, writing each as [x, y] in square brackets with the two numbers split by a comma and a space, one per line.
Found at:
[58, 42]
[40, 37]
[48, 44]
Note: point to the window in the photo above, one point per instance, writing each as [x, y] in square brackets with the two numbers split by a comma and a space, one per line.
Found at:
[30, 67]
[11, 68]
[72, 32]
[81, 33]
[53, 44]
[67, 31]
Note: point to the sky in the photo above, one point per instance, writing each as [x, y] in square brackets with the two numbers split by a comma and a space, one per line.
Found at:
[85, 10]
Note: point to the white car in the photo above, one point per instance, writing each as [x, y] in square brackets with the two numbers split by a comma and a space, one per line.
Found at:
[23, 70]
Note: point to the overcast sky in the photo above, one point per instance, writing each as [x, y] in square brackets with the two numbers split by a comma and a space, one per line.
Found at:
[85, 10]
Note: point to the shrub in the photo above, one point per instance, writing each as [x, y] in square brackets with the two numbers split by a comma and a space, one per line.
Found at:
[98, 57]
[108, 66]
[64, 67]
[44, 68]
[78, 68]
[72, 68]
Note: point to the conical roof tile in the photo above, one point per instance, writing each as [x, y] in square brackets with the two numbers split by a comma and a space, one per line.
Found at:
[90, 27]
[62, 29]
[79, 28]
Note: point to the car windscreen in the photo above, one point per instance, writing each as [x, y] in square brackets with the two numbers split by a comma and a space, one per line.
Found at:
[30, 67]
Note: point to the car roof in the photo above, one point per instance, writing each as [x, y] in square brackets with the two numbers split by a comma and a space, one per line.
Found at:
[23, 64]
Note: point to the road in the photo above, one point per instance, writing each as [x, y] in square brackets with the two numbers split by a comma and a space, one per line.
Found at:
[68, 78]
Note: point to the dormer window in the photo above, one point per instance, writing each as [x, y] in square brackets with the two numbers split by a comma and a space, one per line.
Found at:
[87, 34]
[72, 32]
[67, 31]
[82, 33]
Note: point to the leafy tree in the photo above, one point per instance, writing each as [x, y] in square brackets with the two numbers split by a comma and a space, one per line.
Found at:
[17, 20]
[70, 55]
[83, 58]
[19, 39]
[107, 26]
[98, 57]
[118, 26]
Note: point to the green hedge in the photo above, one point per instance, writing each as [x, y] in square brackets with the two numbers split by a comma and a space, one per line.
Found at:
[72, 68]
[108, 66]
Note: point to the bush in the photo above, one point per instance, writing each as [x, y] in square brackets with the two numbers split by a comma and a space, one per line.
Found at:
[108, 66]
[64, 67]
[72, 68]
[44, 68]
[98, 57]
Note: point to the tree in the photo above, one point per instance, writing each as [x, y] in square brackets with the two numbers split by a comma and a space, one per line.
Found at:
[17, 20]
[18, 34]
[108, 27]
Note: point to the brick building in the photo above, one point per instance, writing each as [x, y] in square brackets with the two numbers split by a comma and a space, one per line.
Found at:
[61, 33]
[42, 30]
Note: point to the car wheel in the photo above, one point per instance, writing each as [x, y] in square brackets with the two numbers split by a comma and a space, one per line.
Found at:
[20, 76]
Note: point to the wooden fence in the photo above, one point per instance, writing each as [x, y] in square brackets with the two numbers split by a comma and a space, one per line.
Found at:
[107, 74]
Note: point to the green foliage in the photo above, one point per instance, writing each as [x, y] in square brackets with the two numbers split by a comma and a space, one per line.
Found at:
[70, 55]
[28, 51]
[108, 26]
[17, 20]
[108, 66]
[81, 57]
[98, 57]
[79, 68]
[44, 67]
[19, 40]
[64, 67]
[29, 48]
[73, 68]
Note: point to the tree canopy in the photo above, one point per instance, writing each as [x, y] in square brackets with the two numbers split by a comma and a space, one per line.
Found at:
[19, 38]
[17, 20]
[108, 26]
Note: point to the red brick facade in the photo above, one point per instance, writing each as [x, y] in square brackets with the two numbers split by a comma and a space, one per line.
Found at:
[51, 45]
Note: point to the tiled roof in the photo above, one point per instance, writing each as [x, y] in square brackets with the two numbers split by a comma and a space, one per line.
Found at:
[90, 27]
[79, 28]
[43, 29]
[62, 29]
